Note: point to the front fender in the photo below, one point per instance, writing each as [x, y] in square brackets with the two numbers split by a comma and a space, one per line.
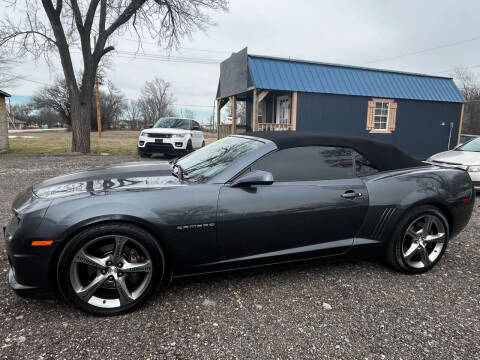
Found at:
[175, 216]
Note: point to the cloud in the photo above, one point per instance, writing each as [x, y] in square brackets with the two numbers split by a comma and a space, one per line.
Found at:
[347, 32]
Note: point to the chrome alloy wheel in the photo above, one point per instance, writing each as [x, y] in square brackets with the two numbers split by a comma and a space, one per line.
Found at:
[423, 241]
[111, 271]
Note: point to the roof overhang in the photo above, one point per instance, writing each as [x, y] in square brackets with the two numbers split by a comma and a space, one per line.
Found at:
[4, 94]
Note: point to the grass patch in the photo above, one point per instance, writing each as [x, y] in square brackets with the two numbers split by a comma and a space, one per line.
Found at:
[121, 142]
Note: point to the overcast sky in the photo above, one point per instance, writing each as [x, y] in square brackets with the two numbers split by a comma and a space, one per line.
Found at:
[367, 33]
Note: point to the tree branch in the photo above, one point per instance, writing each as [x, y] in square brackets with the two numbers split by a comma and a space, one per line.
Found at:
[77, 14]
[106, 50]
[103, 16]
[59, 7]
[27, 32]
[90, 15]
[129, 11]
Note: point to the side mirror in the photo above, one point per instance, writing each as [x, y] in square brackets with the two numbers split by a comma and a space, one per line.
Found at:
[150, 126]
[257, 177]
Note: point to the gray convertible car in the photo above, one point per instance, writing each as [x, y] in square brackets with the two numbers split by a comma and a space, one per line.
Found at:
[105, 238]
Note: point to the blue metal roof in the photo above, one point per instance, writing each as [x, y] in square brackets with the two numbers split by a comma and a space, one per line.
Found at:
[298, 75]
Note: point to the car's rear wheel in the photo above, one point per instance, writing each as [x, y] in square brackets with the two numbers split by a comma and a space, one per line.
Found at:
[420, 240]
[110, 268]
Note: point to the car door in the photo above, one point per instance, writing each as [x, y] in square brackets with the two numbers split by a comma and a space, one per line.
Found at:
[313, 208]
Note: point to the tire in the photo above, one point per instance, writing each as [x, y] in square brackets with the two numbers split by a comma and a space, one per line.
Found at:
[136, 272]
[144, 154]
[410, 251]
[189, 147]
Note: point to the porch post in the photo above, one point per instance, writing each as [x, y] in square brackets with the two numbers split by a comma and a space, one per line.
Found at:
[219, 108]
[255, 111]
[294, 111]
[233, 100]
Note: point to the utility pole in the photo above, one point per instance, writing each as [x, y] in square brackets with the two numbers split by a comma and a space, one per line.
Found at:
[97, 97]
[12, 117]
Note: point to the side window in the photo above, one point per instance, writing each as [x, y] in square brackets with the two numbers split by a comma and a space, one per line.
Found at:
[308, 163]
[195, 125]
[381, 115]
[363, 166]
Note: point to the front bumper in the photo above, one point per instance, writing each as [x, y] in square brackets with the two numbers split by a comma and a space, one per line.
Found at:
[162, 145]
[28, 273]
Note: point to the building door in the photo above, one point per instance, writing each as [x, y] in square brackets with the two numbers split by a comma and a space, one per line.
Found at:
[283, 109]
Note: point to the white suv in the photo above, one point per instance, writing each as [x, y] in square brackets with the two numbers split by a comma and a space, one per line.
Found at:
[171, 136]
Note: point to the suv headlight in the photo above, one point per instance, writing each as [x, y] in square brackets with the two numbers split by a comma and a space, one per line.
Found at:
[180, 136]
[143, 133]
[474, 168]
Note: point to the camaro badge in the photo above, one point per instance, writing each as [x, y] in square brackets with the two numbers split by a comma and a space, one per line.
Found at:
[195, 226]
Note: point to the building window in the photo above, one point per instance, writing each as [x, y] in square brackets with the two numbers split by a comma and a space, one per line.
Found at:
[381, 115]
[283, 109]
[380, 120]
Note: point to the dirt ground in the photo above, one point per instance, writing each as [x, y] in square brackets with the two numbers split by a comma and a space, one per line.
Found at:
[336, 310]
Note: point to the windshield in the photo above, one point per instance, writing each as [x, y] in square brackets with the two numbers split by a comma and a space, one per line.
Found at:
[171, 123]
[212, 159]
[473, 145]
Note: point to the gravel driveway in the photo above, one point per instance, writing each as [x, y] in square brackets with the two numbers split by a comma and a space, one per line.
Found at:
[344, 309]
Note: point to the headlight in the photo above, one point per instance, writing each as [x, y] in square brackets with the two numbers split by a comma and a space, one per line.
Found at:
[474, 168]
[143, 133]
[180, 136]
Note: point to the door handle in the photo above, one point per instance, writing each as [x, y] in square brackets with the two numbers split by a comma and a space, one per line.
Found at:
[350, 194]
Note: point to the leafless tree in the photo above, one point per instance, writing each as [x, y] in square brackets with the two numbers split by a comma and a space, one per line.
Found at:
[156, 100]
[41, 28]
[31, 116]
[133, 114]
[112, 105]
[7, 78]
[22, 112]
[54, 97]
[186, 113]
[469, 84]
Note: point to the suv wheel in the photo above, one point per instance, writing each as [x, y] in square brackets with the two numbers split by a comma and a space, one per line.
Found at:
[143, 154]
[189, 146]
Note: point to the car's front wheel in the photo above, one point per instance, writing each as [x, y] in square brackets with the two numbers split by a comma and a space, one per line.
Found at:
[143, 154]
[189, 146]
[110, 268]
[420, 240]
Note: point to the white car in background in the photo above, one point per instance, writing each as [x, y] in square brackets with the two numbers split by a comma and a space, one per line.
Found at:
[466, 155]
[171, 136]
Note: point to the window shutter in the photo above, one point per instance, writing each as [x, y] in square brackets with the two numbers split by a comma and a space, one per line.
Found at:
[392, 116]
[370, 115]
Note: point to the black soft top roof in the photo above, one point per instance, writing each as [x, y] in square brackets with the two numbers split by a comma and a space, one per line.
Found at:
[382, 155]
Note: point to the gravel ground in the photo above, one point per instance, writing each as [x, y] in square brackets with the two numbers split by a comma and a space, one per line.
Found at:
[345, 309]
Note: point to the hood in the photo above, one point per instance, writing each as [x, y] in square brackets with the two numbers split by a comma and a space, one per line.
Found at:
[165, 131]
[123, 176]
[457, 157]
